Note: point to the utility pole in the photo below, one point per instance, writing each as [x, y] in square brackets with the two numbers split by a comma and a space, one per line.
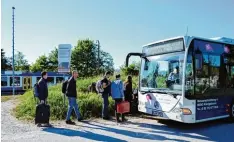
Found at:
[98, 44]
[13, 48]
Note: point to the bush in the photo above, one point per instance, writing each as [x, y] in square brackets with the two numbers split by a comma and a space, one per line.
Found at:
[82, 84]
[90, 104]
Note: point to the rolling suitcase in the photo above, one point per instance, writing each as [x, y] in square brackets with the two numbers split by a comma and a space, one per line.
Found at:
[123, 107]
[42, 114]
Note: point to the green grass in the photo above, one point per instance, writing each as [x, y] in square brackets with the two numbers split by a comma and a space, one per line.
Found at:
[90, 105]
[5, 98]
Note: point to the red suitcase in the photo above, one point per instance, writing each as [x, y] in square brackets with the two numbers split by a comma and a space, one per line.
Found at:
[123, 107]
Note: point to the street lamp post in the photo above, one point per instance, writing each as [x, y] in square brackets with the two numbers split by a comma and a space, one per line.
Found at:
[98, 44]
[13, 48]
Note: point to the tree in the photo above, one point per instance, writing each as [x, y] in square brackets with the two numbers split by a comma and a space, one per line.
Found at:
[21, 64]
[53, 60]
[106, 62]
[5, 64]
[41, 64]
[85, 59]
[132, 69]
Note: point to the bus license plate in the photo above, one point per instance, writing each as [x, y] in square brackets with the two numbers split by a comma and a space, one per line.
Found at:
[157, 113]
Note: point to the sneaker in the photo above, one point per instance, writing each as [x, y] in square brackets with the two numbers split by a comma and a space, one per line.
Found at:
[48, 125]
[39, 125]
[70, 122]
[80, 119]
[124, 119]
[106, 118]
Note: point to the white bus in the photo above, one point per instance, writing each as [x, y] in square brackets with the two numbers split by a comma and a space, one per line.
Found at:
[187, 79]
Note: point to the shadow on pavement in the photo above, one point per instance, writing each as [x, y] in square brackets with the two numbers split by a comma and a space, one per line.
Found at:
[218, 130]
[141, 135]
[84, 134]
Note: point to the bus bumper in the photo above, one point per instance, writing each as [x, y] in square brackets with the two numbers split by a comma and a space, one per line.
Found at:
[172, 115]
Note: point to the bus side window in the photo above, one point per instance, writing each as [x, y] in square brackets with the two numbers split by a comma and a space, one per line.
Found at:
[189, 76]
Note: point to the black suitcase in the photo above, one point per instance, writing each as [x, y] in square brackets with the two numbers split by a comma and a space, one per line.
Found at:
[42, 114]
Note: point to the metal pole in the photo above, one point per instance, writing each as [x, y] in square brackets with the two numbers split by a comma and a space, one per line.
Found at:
[13, 48]
[98, 44]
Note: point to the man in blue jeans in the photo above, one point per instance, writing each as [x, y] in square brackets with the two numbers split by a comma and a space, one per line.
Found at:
[104, 88]
[71, 93]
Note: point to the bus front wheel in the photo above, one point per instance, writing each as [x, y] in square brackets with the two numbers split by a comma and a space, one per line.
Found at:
[232, 111]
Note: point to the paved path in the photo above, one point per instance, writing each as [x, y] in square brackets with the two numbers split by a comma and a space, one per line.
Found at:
[136, 129]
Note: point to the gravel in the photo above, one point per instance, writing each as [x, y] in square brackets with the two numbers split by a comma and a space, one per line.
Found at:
[136, 129]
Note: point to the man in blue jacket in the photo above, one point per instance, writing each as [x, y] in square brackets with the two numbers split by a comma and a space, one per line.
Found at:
[117, 92]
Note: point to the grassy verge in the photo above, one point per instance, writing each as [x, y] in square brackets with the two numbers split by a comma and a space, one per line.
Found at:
[90, 105]
[5, 98]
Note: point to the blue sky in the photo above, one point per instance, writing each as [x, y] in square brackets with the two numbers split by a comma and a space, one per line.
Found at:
[121, 26]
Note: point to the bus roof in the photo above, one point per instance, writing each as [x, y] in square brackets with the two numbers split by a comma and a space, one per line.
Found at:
[224, 39]
[160, 41]
[216, 39]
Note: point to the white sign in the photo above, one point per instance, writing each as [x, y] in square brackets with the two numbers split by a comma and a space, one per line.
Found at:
[166, 47]
[64, 57]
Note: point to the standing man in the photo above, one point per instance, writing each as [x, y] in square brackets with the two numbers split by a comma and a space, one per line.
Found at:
[104, 88]
[71, 93]
[41, 110]
[43, 88]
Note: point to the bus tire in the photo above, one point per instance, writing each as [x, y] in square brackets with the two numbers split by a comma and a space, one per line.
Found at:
[232, 111]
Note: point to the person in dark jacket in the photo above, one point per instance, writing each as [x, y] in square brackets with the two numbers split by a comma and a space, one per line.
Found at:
[104, 88]
[43, 92]
[43, 88]
[128, 89]
[71, 93]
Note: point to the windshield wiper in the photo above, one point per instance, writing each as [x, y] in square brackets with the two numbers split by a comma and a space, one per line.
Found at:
[173, 94]
[146, 91]
[153, 91]
[162, 91]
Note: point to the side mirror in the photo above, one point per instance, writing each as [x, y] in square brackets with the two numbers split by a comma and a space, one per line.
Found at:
[146, 66]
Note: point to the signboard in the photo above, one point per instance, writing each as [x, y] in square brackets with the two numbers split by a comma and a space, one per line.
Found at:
[213, 107]
[64, 57]
[164, 47]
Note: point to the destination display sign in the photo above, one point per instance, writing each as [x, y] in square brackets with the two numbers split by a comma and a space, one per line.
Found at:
[164, 47]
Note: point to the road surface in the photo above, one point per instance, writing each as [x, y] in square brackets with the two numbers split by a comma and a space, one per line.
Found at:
[136, 129]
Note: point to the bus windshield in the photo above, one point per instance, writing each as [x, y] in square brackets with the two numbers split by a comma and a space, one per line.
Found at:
[162, 73]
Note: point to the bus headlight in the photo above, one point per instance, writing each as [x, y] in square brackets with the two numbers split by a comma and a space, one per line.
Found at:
[186, 111]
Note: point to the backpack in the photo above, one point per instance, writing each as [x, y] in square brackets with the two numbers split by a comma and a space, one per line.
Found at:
[64, 86]
[36, 90]
[99, 86]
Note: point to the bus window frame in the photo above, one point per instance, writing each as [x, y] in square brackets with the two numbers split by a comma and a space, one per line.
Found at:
[199, 96]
